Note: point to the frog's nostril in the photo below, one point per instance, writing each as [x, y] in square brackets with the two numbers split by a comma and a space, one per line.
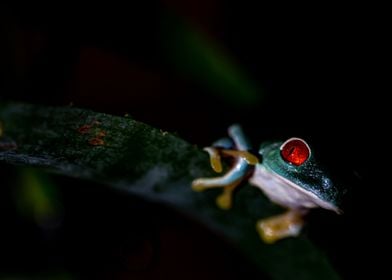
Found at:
[295, 151]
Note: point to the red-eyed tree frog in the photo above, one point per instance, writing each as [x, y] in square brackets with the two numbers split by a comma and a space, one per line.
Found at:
[286, 172]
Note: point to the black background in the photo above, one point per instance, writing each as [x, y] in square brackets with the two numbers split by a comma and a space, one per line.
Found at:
[320, 71]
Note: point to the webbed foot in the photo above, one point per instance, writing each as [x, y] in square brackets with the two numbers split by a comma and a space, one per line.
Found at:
[278, 227]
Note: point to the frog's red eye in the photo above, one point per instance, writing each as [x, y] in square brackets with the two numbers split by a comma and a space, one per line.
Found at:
[295, 151]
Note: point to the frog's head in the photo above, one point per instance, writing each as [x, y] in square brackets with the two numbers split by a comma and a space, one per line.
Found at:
[294, 162]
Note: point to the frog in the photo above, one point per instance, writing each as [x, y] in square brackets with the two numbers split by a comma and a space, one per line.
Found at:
[286, 172]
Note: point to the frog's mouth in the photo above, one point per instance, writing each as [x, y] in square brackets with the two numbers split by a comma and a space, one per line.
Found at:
[318, 201]
[286, 193]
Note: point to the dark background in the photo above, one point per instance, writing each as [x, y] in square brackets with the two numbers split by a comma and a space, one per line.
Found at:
[317, 72]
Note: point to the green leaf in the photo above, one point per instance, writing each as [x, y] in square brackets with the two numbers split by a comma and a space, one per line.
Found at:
[141, 160]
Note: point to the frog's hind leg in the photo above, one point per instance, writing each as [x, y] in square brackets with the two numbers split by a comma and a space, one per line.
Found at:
[281, 226]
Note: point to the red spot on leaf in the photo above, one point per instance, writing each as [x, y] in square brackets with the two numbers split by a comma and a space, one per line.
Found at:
[84, 129]
[96, 141]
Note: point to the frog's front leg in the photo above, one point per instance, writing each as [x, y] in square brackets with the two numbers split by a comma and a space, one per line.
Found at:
[225, 200]
[281, 226]
[236, 173]
[236, 146]
[229, 182]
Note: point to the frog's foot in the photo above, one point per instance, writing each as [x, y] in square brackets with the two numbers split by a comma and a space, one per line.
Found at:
[281, 226]
[225, 200]
[215, 159]
[247, 156]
